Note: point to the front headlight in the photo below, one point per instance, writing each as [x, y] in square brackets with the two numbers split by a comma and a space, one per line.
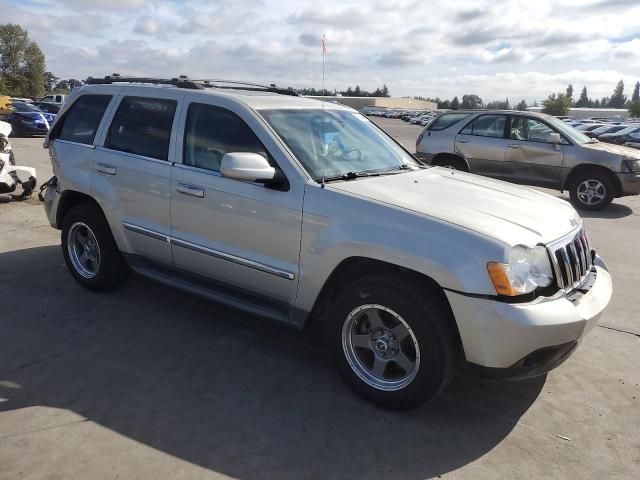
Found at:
[525, 270]
[632, 164]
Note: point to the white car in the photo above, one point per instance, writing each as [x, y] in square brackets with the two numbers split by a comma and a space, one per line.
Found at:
[308, 214]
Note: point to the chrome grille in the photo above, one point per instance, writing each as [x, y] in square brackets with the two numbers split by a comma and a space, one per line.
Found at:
[572, 260]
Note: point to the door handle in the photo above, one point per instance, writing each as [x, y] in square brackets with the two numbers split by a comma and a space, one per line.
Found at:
[463, 140]
[192, 190]
[514, 146]
[106, 168]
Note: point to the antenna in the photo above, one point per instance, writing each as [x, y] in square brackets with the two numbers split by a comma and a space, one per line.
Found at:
[324, 154]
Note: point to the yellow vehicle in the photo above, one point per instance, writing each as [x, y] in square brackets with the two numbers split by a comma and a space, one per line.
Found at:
[5, 105]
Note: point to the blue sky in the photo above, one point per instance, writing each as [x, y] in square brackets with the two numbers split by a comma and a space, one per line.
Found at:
[496, 49]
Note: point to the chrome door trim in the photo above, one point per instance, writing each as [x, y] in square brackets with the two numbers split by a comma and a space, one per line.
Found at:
[209, 251]
[233, 259]
[146, 232]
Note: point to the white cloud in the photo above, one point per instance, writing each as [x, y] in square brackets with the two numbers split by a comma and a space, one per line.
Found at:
[494, 48]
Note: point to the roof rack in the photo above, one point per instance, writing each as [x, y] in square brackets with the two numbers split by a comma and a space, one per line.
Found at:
[253, 87]
[185, 82]
[181, 82]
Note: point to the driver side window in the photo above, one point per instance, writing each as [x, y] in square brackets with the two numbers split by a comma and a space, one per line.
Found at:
[211, 132]
[531, 130]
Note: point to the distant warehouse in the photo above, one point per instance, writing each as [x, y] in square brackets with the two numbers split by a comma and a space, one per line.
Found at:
[610, 113]
[381, 102]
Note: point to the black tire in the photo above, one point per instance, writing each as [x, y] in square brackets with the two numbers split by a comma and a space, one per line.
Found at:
[112, 271]
[455, 163]
[604, 187]
[430, 325]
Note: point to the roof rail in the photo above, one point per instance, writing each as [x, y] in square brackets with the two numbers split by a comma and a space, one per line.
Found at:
[253, 87]
[181, 82]
[185, 82]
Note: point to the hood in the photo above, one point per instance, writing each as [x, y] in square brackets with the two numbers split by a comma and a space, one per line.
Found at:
[501, 210]
[613, 148]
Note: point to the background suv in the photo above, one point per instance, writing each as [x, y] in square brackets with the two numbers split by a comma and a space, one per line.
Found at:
[532, 149]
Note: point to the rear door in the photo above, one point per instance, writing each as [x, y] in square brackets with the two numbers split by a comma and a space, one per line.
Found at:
[530, 158]
[132, 172]
[482, 142]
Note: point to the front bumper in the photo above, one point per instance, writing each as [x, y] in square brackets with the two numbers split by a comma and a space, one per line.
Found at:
[629, 183]
[519, 340]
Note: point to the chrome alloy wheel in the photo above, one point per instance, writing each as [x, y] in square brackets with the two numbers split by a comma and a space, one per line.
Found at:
[380, 347]
[591, 192]
[84, 251]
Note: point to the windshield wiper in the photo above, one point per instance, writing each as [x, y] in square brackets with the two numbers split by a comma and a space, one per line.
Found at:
[353, 175]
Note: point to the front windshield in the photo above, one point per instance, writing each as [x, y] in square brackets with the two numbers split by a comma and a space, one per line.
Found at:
[25, 107]
[571, 133]
[336, 142]
[626, 131]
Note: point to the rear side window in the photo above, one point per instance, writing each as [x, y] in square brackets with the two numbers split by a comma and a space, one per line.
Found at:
[142, 126]
[211, 132]
[446, 120]
[486, 126]
[81, 121]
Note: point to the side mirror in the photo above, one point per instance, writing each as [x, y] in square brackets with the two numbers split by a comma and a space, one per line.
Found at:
[246, 166]
[554, 138]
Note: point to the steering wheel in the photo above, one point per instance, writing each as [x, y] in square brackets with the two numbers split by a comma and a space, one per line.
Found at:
[349, 151]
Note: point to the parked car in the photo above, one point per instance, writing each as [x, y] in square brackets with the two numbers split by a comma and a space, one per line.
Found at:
[314, 217]
[604, 129]
[27, 120]
[47, 107]
[56, 98]
[532, 149]
[620, 137]
[588, 127]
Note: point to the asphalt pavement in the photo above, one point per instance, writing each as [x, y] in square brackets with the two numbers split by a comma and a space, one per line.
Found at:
[150, 383]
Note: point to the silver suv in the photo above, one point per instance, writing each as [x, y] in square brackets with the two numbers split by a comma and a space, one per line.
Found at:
[532, 149]
[307, 214]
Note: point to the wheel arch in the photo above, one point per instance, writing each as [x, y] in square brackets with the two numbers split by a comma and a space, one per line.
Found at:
[588, 167]
[353, 268]
[70, 199]
[442, 156]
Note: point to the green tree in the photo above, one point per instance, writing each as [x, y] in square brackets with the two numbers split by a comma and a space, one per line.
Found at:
[385, 91]
[455, 104]
[34, 70]
[50, 81]
[594, 104]
[604, 102]
[498, 105]
[22, 63]
[570, 93]
[583, 101]
[634, 109]
[618, 99]
[635, 97]
[471, 101]
[522, 106]
[556, 104]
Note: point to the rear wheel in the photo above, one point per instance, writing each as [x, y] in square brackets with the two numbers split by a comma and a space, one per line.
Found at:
[591, 190]
[90, 251]
[393, 344]
[454, 163]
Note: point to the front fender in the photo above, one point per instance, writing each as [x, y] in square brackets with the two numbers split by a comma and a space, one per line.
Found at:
[338, 226]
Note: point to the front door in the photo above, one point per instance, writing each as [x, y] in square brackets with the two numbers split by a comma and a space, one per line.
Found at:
[530, 158]
[239, 234]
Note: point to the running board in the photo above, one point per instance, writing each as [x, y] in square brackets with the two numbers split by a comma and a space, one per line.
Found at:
[212, 290]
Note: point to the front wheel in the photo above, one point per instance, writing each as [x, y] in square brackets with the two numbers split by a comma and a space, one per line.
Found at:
[591, 190]
[393, 344]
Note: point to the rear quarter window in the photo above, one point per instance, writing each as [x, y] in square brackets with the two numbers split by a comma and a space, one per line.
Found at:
[81, 121]
[446, 120]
